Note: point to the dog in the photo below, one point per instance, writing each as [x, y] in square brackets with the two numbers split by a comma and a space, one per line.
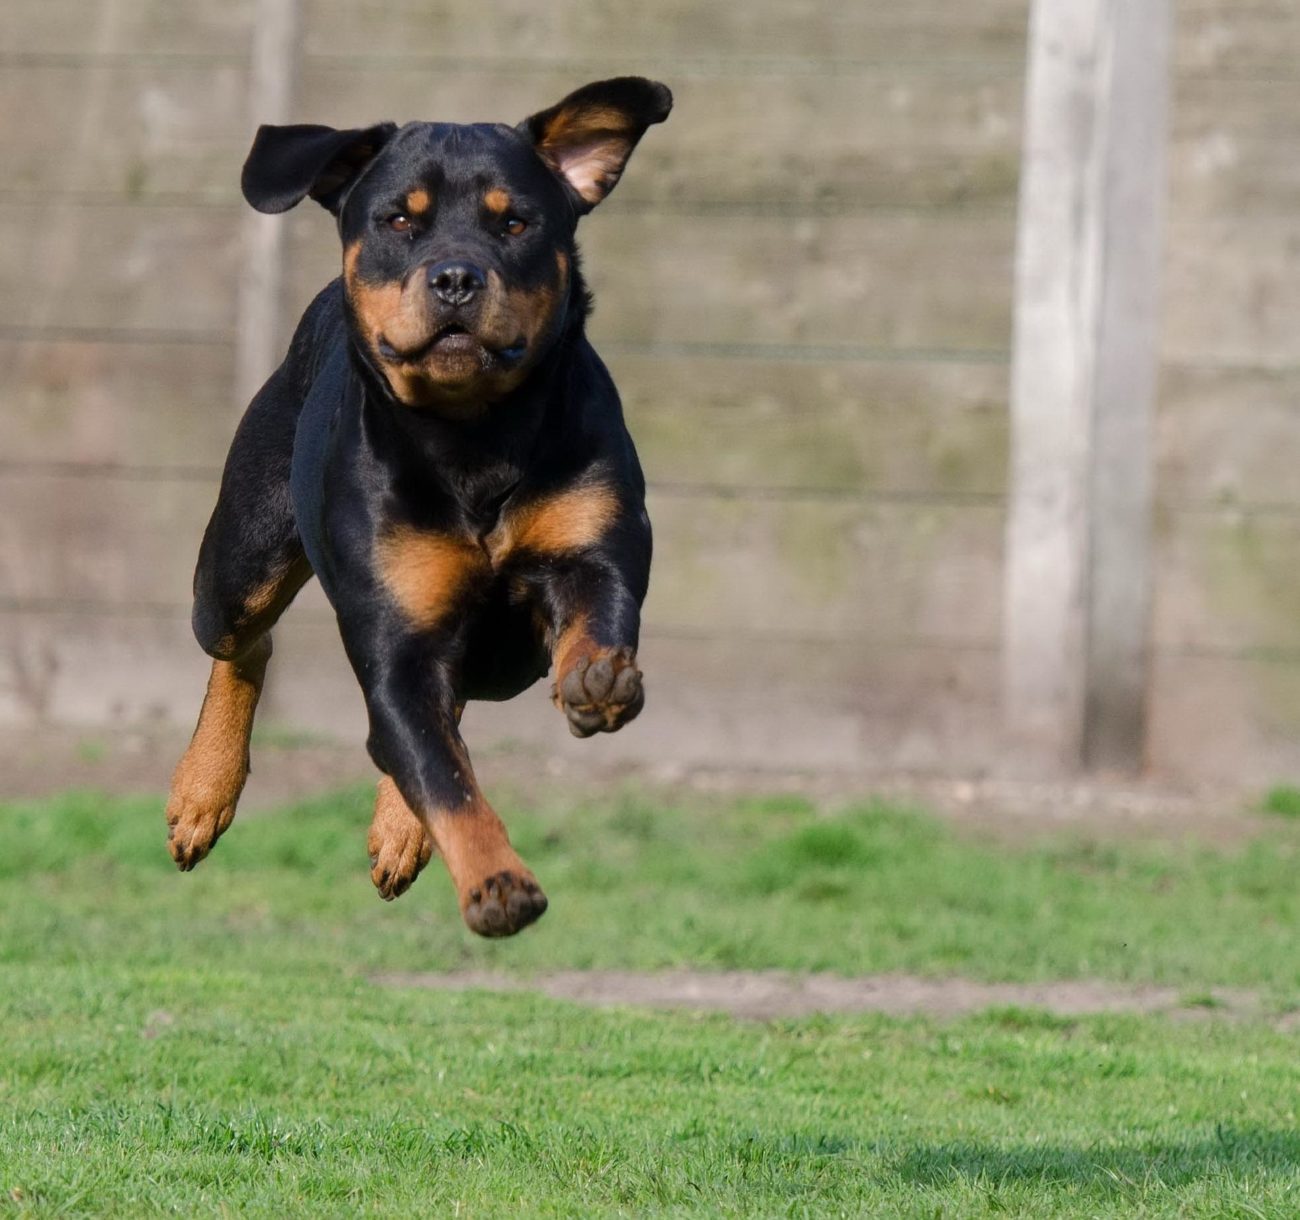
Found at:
[443, 449]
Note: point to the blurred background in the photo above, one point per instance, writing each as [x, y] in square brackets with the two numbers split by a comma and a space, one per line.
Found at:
[806, 290]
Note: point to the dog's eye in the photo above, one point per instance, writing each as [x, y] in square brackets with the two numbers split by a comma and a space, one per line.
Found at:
[515, 226]
[398, 223]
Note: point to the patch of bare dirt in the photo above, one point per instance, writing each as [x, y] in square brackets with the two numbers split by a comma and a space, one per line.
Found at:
[765, 995]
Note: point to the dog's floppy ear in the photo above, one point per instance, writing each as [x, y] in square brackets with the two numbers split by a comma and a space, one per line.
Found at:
[587, 138]
[286, 164]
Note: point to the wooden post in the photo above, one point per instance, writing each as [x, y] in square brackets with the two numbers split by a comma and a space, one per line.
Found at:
[1083, 383]
[258, 339]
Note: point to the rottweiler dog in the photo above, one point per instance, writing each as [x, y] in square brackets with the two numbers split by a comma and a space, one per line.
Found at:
[443, 449]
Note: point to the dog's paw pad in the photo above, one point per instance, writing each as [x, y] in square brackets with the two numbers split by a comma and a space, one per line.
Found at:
[503, 904]
[601, 693]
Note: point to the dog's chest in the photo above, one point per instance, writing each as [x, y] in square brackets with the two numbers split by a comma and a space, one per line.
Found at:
[430, 573]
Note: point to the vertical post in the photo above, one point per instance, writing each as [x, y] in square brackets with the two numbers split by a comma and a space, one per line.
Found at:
[1083, 383]
[270, 100]
[1128, 330]
[258, 339]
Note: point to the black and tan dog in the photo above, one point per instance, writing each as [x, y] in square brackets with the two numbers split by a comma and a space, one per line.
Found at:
[445, 451]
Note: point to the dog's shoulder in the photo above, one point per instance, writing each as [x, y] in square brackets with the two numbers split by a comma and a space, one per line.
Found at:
[321, 331]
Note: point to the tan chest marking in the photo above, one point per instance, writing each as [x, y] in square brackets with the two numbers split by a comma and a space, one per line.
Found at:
[562, 524]
[425, 573]
[428, 574]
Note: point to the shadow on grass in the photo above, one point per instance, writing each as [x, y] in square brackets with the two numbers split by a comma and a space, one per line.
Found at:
[1228, 1151]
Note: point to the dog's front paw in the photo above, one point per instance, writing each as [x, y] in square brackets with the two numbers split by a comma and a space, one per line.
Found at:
[504, 903]
[601, 691]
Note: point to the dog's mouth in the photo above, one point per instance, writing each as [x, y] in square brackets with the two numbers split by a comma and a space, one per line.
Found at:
[453, 341]
[450, 337]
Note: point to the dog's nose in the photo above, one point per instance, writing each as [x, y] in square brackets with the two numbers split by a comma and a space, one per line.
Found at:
[456, 282]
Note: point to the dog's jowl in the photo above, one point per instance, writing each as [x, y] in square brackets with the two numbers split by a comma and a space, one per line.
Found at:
[444, 450]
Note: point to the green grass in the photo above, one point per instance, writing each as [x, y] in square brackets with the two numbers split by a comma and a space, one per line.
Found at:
[1282, 799]
[211, 1043]
[634, 883]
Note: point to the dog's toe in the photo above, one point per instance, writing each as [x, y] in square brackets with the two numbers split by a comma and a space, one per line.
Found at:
[398, 853]
[193, 827]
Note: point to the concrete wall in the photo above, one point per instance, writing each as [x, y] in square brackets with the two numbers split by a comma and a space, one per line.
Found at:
[803, 289]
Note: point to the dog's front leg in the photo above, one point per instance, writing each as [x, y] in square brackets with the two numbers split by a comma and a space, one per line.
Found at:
[594, 611]
[429, 786]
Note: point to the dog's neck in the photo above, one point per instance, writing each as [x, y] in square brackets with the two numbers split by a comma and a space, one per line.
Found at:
[475, 458]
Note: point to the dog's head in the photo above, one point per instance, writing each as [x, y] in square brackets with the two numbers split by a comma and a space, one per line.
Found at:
[458, 254]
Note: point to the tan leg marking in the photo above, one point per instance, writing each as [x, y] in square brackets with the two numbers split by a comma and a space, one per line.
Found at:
[274, 593]
[398, 843]
[211, 774]
[497, 892]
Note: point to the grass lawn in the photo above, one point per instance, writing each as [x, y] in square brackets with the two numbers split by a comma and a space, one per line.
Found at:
[212, 1043]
